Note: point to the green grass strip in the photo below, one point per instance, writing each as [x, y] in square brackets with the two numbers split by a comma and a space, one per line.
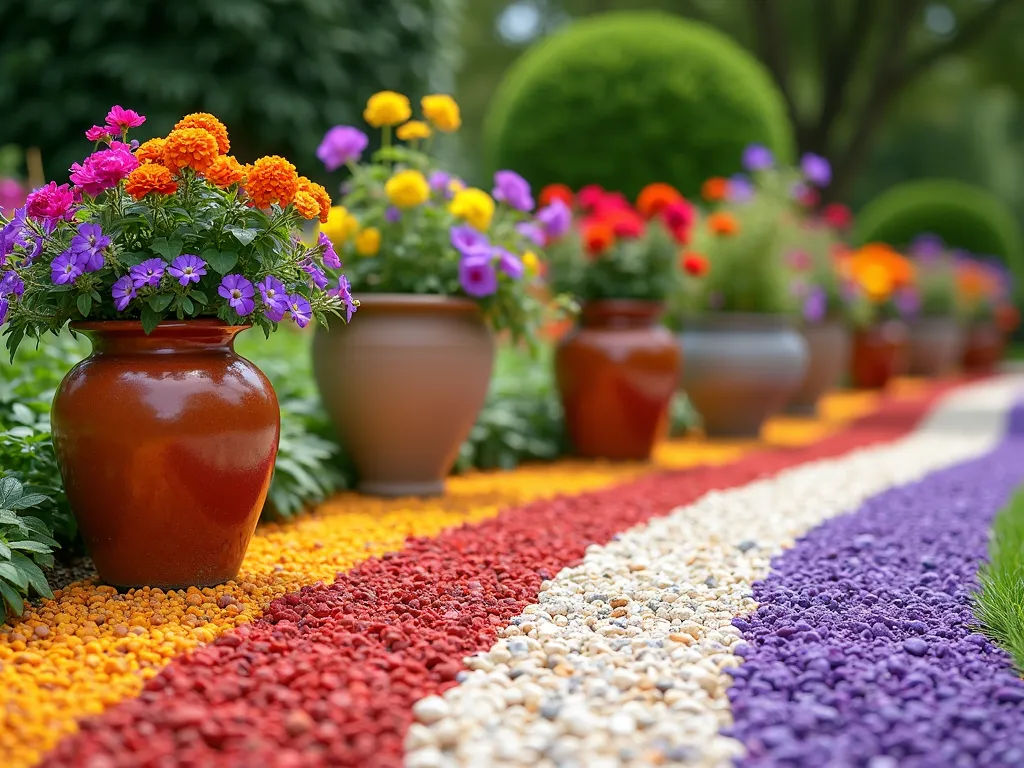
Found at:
[999, 604]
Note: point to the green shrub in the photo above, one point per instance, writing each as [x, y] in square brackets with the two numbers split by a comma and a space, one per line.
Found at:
[964, 216]
[26, 547]
[625, 99]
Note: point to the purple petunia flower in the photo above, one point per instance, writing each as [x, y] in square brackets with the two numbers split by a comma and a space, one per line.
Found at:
[4, 308]
[739, 189]
[239, 292]
[908, 302]
[11, 284]
[123, 292]
[556, 218]
[344, 292]
[815, 305]
[273, 293]
[148, 272]
[393, 215]
[65, 268]
[440, 183]
[11, 234]
[88, 245]
[469, 241]
[532, 232]
[511, 188]
[187, 268]
[509, 263]
[299, 309]
[316, 275]
[927, 247]
[757, 157]
[817, 169]
[477, 276]
[341, 144]
[331, 258]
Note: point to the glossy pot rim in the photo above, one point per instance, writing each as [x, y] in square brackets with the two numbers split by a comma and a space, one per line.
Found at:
[165, 326]
[738, 321]
[416, 302]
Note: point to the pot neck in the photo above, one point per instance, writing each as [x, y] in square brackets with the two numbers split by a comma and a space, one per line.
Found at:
[119, 337]
[620, 314]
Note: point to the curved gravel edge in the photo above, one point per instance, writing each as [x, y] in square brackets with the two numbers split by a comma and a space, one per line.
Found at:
[625, 659]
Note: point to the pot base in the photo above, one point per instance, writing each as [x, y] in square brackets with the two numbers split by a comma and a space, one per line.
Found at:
[426, 489]
[802, 409]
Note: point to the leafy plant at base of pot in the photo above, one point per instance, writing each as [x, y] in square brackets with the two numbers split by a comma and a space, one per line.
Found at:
[412, 228]
[886, 283]
[172, 228]
[615, 250]
[26, 547]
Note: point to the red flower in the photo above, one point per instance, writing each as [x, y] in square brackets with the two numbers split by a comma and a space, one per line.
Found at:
[590, 196]
[678, 217]
[656, 197]
[627, 224]
[695, 264]
[553, 192]
[598, 237]
[837, 216]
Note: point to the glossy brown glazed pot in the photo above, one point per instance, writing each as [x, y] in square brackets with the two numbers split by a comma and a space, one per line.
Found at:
[616, 373]
[828, 360]
[936, 346]
[880, 353]
[166, 444]
[983, 347]
[403, 385]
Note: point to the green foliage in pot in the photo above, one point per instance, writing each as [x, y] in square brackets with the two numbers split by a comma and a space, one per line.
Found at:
[26, 547]
[810, 250]
[626, 99]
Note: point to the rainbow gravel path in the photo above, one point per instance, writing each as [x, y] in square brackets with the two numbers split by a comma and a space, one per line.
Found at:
[313, 670]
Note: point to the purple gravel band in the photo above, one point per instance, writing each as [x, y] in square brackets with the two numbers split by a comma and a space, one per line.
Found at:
[862, 651]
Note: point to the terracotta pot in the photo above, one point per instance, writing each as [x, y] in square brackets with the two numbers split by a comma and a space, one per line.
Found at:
[166, 444]
[741, 369]
[617, 372]
[936, 346]
[403, 385]
[983, 347]
[880, 353]
[828, 350]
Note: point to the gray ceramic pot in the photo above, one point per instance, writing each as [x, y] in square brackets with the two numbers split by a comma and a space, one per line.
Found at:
[739, 369]
[828, 351]
[936, 345]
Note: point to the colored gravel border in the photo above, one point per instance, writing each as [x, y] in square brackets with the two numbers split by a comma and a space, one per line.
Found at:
[330, 674]
[863, 652]
[625, 658]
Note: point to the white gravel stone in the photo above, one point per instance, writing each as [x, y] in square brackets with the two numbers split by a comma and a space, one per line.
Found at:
[624, 659]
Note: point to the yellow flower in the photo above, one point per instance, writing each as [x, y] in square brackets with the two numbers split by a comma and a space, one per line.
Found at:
[387, 108]
[455, 186]
[340, 225]
[407, 189]
[473, 205]
[414, 129]
[368, 242]
[442, 111]
[876, 281]
[531, 263]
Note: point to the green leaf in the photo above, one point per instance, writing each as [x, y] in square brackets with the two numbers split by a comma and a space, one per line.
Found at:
[167, 248]
[30, 546]
[84, 303]
[22, 414]
[199, 297]
[187, 305]
[28, 500]
[12, 598]
[10, 492]
[13, 574]
[220, 261]
[9, 518]
[244, 236]
[133, 258]
[36, 578]
[161, 301]
[150, 318]
[5, 551]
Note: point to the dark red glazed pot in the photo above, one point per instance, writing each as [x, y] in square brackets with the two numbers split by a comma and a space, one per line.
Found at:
[166, 444]
[983, 347]
[617, 372]
[880, 353]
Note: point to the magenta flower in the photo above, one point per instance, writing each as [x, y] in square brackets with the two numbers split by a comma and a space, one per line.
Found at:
[123, 292]
[330, 255]
[51, 203]
[556, 218]
[344, 292]
[12, 195]
[11, 284]
[341, 144]
[239, 292]
[104, 169]
[123, 119]
[148, 272]
[757, 157]
[532, 232]
[477, 276]
[469, 241]
[511, 188]
[98, 133]
[187, 268]
[65, 268]
[799, 260]
[299, 309]
[817, 169]
[509, 263]
[88, 245]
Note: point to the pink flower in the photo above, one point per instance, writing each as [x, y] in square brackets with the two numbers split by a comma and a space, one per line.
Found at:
[123, 119]
[51, 202]
[104, 169]
[98, 133]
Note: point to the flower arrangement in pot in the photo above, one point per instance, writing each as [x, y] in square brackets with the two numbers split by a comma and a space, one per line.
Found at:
[161, 253]
[885, 280]
[618, 368]
[984, 287]
[736, 324]
[438, 267]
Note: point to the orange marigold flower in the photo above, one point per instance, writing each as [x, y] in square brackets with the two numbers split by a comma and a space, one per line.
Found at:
[272, 179]
[598, 237]
[723, 223]
[714, 188]
[151, 151]
[320, 194]
[150, 177]
[190, 148]
[553, 192]
[306, 205]
[695, 264]
[225, 171]
[656, 197]
[207, 122]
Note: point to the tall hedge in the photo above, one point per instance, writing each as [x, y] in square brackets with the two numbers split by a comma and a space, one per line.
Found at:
[963, 215]
[624, 99]
[278, 72]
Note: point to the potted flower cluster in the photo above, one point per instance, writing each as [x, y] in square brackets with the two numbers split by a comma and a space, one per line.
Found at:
[936, 330]
[438, 266]
[885, 280]
[618, 369]
[161, 253]
[984, 287]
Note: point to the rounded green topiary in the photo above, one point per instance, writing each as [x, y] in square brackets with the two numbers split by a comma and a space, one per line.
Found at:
[963, 215]
[626, 99]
